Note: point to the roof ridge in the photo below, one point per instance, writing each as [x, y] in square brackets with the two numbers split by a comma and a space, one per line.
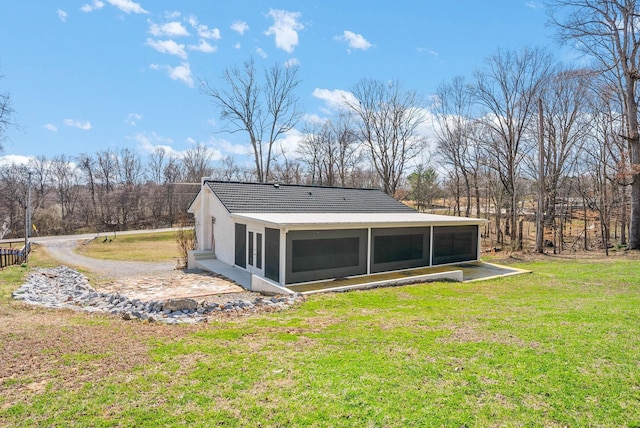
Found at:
[314, 186]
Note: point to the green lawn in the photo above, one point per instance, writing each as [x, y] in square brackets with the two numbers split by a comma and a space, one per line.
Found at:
[151, 247]
[559, 347]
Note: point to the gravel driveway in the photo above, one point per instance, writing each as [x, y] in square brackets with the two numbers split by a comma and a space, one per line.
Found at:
[144, 280]
[63, 251]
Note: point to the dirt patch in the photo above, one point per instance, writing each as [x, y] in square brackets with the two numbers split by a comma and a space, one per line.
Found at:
[60, 350]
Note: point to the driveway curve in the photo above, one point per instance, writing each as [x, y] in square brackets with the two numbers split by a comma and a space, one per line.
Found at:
[63, 250]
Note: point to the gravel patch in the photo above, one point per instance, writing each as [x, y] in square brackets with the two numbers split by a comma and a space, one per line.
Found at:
[63, 287]
[64, 252]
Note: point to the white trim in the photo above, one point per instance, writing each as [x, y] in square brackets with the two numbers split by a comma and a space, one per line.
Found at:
[321, 221]
[479, 243]
[283, 256]
[431, 245]
[369, 251]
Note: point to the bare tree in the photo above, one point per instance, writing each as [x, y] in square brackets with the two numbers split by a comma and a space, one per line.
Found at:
[196, 163]
[6, 115]
[65, 179]
[155, 165]
[607, 30]
[454, 128]
[287, 171]
[13, 196]
[508, 91]
[387, 118]
[312, 152]
[40, 180]
[228, 170]
[106, 179]
[566, 125]
[87, 166]
[608, 130]
[265, 111]
[348, 153]
[129, 195]
[172, 174]
[129, 165]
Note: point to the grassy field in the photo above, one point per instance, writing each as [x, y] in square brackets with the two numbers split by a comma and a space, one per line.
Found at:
[559, 347]
[154, 247]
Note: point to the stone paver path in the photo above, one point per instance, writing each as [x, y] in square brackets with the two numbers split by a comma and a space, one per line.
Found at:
[164, 286]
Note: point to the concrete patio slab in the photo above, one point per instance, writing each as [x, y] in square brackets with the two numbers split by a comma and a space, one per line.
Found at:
[464, 272]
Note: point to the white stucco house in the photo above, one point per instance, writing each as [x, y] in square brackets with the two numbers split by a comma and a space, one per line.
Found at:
[290, 234]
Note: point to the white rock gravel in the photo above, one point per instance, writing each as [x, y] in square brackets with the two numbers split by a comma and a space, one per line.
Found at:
[63, 287]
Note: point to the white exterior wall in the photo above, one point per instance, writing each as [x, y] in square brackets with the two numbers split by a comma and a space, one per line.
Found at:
[224, 230]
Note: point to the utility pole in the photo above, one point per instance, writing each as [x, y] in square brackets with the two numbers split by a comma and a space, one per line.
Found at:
[540, 213]
[27, 219]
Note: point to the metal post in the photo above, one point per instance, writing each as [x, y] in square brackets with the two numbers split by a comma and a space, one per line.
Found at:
[27, 219]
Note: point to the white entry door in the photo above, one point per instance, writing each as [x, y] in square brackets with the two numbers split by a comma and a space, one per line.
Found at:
[255, 252]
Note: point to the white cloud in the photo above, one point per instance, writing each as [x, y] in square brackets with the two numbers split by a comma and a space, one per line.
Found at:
[84, 125]
[127, 6]
[15, 159]
[169, 47]
[285, 29]
[237, 45]
[51, 127]
[314, 119]
[533, 5]
[214, 153]
[149, 143]
[181, 72]
[219, 148]
[261, 52]
[96, 5]
[336, 99]
[62, 15]
[355, 41]
[203, 47]
[172, 14]
[290, 142]
[240, 27]
[203, 30]
[429, 51]
[291, 62]
[427, 128]
[228, 147]
[170, 29]
[133, 119]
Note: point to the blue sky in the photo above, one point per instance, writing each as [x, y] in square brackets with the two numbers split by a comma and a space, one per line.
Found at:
[95, 74]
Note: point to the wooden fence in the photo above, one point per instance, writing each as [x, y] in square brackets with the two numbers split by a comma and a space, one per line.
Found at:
[12, 256]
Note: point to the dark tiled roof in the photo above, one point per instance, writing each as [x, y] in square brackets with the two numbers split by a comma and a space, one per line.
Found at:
[286, 198]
